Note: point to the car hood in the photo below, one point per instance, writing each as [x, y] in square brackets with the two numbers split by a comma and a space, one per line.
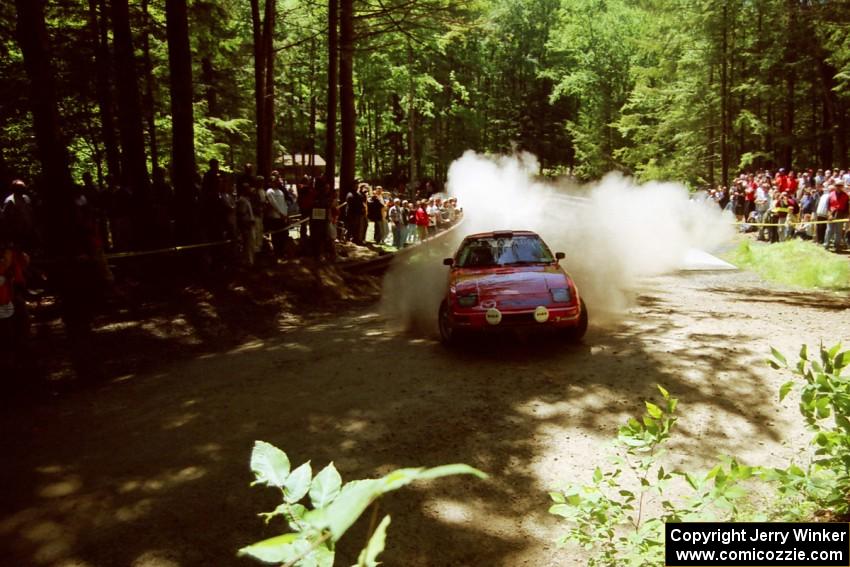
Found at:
[500, 282]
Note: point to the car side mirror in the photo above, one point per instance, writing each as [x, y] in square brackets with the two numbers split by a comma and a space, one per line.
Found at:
[560, 255]
[448, 261]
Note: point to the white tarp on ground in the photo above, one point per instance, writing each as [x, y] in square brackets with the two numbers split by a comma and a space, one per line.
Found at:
[697, 260]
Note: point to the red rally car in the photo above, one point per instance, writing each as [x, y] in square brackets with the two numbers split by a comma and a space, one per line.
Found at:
[509, 279]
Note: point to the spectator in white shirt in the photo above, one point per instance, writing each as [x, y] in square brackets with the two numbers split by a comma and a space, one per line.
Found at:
[276, 216]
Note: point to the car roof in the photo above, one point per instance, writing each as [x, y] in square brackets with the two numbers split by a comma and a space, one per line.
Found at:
[493, 233]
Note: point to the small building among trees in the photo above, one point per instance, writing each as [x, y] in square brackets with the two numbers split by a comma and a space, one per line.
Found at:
[294, 166]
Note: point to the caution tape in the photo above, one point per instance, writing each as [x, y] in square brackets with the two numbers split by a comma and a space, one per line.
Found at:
[796, 223]
[171, 249]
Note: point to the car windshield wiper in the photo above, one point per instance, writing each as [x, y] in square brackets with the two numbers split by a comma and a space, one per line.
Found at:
[525, 263]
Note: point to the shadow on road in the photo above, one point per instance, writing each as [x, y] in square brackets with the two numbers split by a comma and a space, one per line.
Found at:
[154, 466]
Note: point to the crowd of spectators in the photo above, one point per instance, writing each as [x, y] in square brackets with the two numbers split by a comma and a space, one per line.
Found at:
[395, 220]
[233, 217]
[814, 205]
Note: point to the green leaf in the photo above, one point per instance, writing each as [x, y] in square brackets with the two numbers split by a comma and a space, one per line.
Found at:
[294, 515]
[794, 470]
[833, 351]
[823, 408]
[778, 356]
[270, 464]
[804, 352]
[369, 555]
[734, 492]
[653, 410]
[353, 499]
[298, 483]
[321, 557]
[274, 550]
[664, 392]
[449, 470]
[597, 475]
[356, 496]
[785, 389]
[399, 478]
[325, 486]
[563, 510]
[671, 405]
[557, 497]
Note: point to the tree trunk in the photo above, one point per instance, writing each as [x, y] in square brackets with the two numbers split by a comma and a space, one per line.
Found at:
[150, 112]
[712, 144]
[208, 80]
[133, 163]
[333, 59]
[100, 34]
[841, 136]
[413, 174]
[183, 124]
[379, 147]
[259, 80]
[313, 105]
[827, 148]
[348, 115]
[788, 122]
[33, 39]
[76, 281]
[264, 166]
[791, 50]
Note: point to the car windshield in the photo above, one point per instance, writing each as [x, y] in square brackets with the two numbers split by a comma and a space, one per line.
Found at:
[503, 251]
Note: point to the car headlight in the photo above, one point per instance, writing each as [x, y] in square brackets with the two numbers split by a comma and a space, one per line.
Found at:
[561, 295]
[470, 300]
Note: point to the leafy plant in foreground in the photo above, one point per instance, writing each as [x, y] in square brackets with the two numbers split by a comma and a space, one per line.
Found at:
[334, 507]
[825, 404]
[612, 522]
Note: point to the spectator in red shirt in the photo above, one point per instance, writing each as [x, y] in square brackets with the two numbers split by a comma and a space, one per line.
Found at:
[839, 206]
[422, 221]
[781, 180]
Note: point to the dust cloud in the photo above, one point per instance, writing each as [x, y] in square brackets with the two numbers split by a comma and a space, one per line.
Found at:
[615, 234]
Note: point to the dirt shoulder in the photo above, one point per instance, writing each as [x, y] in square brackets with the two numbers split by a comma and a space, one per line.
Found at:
[151, 468]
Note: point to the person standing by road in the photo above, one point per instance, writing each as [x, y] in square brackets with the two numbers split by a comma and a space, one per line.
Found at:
[245, 222]
[422, 221]
[821, 214]
[838, 211]
[395, 216]
[376, 216]
[17, 212]
[276, 215]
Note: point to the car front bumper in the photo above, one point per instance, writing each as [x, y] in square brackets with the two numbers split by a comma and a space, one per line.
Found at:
[477, 319]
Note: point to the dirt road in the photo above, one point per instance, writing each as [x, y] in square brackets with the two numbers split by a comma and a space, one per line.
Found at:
[152, 469]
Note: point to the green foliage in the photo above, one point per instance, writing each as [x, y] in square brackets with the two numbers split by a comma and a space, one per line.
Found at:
[825, 405]
[586, 85]
[334, 507]
[793, 262]
[596, 44]
[608, 516]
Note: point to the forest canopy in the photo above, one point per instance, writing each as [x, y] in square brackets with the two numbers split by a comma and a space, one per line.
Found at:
[690, 90]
